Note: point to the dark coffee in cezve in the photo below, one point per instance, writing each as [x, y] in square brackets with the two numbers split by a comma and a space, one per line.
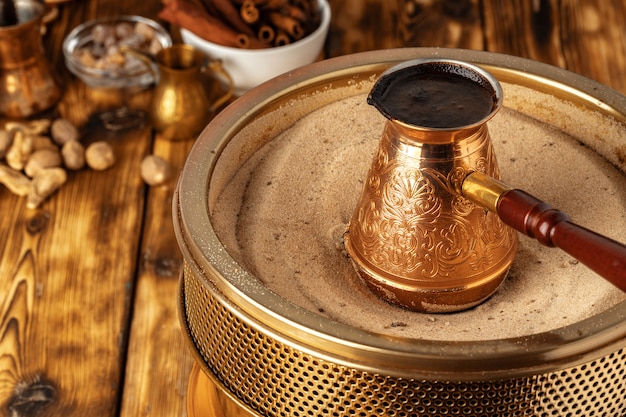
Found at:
[436, 100]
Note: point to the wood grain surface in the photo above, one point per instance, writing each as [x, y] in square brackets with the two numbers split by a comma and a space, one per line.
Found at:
[88, 281]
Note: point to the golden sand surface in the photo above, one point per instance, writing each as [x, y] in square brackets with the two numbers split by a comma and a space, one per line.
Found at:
[282, 217]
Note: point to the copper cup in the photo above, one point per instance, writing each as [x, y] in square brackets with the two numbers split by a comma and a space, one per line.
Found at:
[27, 84]
[413, 238]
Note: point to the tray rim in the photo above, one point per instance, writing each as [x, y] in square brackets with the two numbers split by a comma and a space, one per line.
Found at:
[270, 314]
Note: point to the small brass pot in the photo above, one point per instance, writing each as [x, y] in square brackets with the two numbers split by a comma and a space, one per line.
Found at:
[181, 104]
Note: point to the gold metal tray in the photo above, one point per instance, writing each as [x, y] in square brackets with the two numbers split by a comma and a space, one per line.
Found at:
[274, 358]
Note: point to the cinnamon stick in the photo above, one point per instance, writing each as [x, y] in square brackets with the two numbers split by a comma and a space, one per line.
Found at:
[272, 4]
[282, 39]
[287, 24]
[266, 33]
[231, 15]
[208, 6]
[297, 13]
[257, 3]
[249, 12]
[245, 23]
[243, 41]
[194, 18]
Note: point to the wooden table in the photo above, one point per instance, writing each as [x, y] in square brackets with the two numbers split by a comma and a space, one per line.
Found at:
[88, 281]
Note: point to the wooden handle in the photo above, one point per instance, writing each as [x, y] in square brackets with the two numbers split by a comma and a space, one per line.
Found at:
[551, 227]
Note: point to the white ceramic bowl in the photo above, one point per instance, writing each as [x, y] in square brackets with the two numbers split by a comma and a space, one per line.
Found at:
[251, 67]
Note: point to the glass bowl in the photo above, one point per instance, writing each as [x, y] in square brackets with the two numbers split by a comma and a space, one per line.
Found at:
[91, 53]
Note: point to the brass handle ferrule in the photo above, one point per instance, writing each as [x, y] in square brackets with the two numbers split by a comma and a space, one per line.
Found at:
[483, 190]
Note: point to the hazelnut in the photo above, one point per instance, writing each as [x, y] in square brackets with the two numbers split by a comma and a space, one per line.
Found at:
[99, 156]
[73, 153]
[155, 170]
[62, 131]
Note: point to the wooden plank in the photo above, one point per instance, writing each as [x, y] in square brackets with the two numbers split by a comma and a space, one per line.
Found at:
[67, 275]
[361, 25]
[587, 37]
[446, 24]
[594, 40]
[74, 270]
[68, 267]
[529, 29]
[159, 362]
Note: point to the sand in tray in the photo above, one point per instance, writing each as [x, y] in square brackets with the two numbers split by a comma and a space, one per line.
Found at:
[283, 216]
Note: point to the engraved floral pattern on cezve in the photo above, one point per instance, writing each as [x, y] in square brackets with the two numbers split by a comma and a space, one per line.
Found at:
[407, 230]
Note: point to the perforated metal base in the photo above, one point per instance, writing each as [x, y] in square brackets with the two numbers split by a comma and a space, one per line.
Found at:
[276, 380]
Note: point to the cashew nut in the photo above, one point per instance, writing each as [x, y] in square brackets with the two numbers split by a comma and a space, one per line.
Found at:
[41, 142]
[46, 182]
[20, 150]
[41, 159]
[6, 139]
[32, 127]
[15, 181]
